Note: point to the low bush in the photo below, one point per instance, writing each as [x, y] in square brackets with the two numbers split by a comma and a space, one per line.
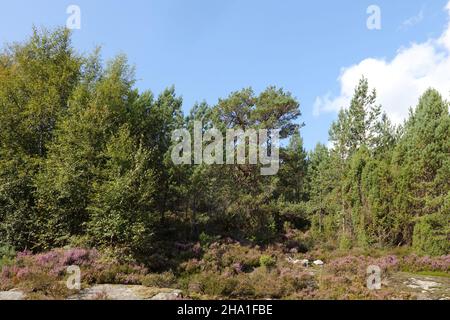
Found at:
[44, 274]
[267, 261]
[222, 256]
[163, 280]
[7, 255]
[226, 270]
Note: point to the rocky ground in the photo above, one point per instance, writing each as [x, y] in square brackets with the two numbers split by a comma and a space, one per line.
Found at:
[12, 295]
[125, 292]
[422, 287]
[110, 292]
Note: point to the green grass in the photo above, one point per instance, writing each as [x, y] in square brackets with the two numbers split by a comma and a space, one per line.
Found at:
[434, 273]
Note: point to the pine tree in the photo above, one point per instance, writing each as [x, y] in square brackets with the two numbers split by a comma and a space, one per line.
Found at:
[293, 172]
[422, 164]
[363, 116]
[322, 182]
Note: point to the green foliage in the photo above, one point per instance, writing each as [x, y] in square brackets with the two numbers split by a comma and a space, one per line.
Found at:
[381, 179]
[422, 163]
[323, 204]
[345, 242]
[206, 240]
[292, 184]
[7, 255]
[122, 202]
[431, 235]
[85, 160]
[243, 198]
[267, 261]
[36, 81]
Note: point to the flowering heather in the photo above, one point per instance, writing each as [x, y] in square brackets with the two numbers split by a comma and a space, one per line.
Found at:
[23, 254]
[129, 279]
[416, 263]
[388, 263]
[53, 263]
[46, 259]
[9, 271]
[391, 263]
[225, 270]
[113, 273]
[79, 257]
[353, 264]
[23, 273]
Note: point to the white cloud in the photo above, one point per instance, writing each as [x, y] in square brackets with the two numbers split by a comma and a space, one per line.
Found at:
[399, 82]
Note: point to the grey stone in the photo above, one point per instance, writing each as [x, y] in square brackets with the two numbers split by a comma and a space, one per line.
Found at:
[174, 295]
[12, 295]
[124, 292]
[319, 263]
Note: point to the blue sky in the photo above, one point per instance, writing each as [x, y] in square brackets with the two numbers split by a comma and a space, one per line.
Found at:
[209, 48]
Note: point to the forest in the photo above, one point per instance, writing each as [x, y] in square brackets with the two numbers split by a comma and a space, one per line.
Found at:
[85, 162]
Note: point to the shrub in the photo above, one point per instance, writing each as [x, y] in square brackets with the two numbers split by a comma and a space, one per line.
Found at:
[431, 235]
[295, 239]
[41, 285]
[163, 280]
[206, 240]
[267, 261]
[79, 257]
[267, 284]
[7, 254]
[213, 284]
[278, 283]
[29, 270]
[190, 267]
[114, 274]
[7, 251]
[415, 263]
[345, 242]
[222, 256]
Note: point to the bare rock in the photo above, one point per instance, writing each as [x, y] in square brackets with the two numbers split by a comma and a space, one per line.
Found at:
[304, 262]
[425, 285]
[124, 292]
[173, 295]
[12, 295]
[319, 263]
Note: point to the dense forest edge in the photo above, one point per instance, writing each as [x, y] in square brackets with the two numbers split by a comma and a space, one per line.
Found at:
[86, 178]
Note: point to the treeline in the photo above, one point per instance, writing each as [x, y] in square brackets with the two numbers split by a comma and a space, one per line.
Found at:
[85, 160]
[384, 186]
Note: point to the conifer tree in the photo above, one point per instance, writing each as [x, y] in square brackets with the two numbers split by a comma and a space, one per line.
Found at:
[422, 164]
